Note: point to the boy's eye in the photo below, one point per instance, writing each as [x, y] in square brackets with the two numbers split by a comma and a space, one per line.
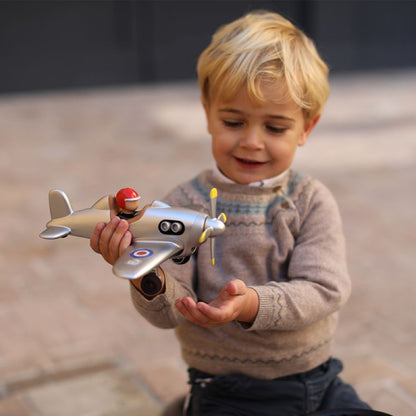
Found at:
[232, 123]
[276, 129]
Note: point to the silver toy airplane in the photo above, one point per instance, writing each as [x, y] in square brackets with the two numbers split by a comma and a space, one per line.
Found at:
[159, 231]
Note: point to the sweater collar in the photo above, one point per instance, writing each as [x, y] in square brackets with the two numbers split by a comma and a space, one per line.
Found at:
[265, 183]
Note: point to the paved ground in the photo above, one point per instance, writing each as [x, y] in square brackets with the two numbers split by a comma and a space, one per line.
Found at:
[71, 343]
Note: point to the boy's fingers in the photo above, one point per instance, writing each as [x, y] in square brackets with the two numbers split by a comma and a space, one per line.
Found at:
[236, 287]
[109, 229]
[125, 242]
[106, 235]
[210, 313]
[116, 239]
[202, 314]
[95, 237]
[188, 309]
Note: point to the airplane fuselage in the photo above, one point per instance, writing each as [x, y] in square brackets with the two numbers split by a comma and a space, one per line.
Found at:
[159, 222]
[83, 222]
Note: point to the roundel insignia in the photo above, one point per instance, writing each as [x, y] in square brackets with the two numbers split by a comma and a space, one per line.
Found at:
[140, 253]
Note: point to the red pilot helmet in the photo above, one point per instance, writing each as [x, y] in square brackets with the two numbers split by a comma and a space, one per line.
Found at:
[126, 194]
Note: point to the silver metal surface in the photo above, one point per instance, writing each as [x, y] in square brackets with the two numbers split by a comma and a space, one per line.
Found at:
[142, 256]
[159, 231]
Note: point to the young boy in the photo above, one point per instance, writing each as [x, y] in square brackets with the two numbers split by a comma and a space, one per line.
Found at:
[256, 329]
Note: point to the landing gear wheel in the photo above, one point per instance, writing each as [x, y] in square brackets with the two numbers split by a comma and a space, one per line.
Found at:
[181, 260]
[151, 284]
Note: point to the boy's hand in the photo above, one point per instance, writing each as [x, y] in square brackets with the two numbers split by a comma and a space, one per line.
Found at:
[235, 302]
[110, 240]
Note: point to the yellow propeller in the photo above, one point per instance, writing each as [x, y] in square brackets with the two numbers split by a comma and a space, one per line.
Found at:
[210, 229]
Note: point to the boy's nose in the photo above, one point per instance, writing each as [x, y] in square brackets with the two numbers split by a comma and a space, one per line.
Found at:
[252, 139]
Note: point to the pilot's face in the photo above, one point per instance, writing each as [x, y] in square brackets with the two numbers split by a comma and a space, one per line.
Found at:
[252, 142]
[131, 205]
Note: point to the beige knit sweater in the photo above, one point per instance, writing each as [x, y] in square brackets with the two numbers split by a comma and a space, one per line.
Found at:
[284, 241]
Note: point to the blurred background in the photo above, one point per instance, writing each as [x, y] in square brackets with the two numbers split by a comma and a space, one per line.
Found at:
[99, 95]
[67, 44]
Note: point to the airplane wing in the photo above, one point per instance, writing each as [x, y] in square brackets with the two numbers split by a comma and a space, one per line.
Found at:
[55, 231]
[143, 256]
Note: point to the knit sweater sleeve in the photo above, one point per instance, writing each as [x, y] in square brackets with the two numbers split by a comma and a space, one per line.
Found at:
[160, 311]
[317, 282]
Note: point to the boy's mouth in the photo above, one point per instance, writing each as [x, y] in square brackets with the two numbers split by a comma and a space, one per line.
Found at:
[249, 163]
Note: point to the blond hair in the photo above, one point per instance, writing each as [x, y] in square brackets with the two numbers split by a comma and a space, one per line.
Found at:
[263, 46]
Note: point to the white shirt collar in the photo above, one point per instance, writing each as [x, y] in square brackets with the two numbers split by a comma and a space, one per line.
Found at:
[265, 183]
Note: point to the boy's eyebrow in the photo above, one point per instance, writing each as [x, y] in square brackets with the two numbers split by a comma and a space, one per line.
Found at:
[275, 116]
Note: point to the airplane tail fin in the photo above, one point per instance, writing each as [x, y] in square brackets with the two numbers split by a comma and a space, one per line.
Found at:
[59, 204]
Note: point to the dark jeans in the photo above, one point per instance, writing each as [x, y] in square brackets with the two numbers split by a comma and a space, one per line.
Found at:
[295, 395]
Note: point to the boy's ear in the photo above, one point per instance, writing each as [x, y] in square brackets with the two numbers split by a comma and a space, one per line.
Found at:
[307, 129]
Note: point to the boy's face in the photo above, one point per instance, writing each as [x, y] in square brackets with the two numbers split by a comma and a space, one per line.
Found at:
[252, 142]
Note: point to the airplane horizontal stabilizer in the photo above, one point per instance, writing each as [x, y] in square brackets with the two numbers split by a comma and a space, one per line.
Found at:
[55, 231]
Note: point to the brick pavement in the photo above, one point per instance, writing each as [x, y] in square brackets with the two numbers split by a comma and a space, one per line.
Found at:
[71, 343]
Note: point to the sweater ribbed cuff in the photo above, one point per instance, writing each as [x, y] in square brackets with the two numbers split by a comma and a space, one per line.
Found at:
[268, 314]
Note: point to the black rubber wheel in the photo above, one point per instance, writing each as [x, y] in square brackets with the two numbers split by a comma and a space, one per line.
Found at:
[181, 260]
[151, 284]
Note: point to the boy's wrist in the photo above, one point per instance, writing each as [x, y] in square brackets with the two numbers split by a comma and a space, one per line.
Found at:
[251, 307]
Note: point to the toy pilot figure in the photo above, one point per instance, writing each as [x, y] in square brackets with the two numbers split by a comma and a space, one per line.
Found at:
[128, 201]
